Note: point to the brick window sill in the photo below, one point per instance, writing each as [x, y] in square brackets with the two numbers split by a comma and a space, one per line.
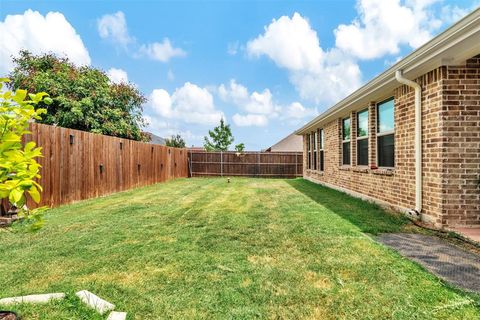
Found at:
[317, 172]
[344, 168]
[384, 172]
[361, 169]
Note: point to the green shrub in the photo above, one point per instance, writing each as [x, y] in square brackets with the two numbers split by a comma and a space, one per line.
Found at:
[18, 167]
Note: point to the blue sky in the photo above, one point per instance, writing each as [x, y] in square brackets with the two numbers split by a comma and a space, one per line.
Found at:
[266, 67]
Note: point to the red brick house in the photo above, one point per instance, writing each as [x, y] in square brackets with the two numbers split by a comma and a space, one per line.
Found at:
[410, 138]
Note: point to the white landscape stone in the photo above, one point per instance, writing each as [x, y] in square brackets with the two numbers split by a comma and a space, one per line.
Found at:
[95, 302]
[115, 315]
[34, 298]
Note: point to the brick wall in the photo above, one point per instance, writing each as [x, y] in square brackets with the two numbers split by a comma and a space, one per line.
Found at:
[461, 144]
[451, 149]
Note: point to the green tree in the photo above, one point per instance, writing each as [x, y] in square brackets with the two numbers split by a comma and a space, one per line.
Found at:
[221, 138]
[83, 97]
[240, 147]
[175, 141]
[18, 167]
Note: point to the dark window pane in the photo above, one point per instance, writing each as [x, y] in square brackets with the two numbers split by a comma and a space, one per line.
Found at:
[309, 160]
[386, 117]
[346, 129]
[346, 153]
[308, 142]
[321, 160]
[362, 123]
[386, 151]
[362, 152]
[315, 160]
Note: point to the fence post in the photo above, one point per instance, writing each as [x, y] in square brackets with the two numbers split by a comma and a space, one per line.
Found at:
[190, 162]
[221, 163]
[258, 164]
[296, 166]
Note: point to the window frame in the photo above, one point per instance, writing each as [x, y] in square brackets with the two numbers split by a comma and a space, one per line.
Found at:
[349, 141]
[309, 147]
[385, 133]
[361, 138]
[321, 159]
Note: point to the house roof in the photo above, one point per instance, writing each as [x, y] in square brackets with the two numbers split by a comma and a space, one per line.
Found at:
[154, 139]
[291, 143]
[452, 47]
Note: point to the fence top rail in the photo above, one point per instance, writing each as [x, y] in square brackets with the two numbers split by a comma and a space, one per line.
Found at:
[76, 131]
[247, 152]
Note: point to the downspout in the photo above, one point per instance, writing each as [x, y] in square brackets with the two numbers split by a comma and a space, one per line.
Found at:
[418, 141]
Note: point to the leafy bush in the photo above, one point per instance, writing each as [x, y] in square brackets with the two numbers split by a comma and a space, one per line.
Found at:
[83, 98]
[18, 167]
[175, 141]
[240, 147]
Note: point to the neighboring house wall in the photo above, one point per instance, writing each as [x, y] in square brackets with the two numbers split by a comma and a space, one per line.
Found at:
[292, 143]
[451, 149]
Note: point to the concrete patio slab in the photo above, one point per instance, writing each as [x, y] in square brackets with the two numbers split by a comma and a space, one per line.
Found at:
[448, 262]
[34, 298]
[470, 233]
[95, 302]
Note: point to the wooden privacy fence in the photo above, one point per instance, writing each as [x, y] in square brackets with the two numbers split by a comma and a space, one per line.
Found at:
[248, 164]
[79, 165]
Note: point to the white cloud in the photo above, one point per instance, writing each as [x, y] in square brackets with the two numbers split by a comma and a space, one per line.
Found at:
[114, 27]
[248, 120]
[40, 34]
[161, 51]
[259, 107]
[318, 75]
[383, 26]
[189, 104]
[290, 42]
[117, 75]
[256, 102]
[297, 111]
[453, 13]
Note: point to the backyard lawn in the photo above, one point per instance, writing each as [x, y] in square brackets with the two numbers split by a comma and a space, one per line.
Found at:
[205, 249]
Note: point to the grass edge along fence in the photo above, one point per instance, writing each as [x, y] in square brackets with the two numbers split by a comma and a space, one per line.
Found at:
[78, 165]
[245, 164]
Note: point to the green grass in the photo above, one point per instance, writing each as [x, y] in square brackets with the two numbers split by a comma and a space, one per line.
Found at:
[205, 249]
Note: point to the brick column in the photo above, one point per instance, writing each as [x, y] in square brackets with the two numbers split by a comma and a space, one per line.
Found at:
[339, 142]
[372, 135]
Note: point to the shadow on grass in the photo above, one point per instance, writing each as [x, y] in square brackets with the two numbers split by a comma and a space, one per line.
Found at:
[367, 216]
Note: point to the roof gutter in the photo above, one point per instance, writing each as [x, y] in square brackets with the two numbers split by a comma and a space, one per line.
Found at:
[418, 140]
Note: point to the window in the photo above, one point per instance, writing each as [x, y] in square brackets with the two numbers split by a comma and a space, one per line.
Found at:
[309, 158]
[362, 138]
[320, 150]
[385, 135]
[315, 146]
[346, 141]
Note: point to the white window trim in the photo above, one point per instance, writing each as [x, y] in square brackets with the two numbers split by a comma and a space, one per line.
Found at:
[345, 141]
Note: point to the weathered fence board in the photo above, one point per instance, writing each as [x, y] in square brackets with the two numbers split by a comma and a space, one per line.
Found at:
[79, 165]
[249, 164]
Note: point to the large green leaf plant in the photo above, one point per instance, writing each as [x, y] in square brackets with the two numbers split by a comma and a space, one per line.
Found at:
[19, 169]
